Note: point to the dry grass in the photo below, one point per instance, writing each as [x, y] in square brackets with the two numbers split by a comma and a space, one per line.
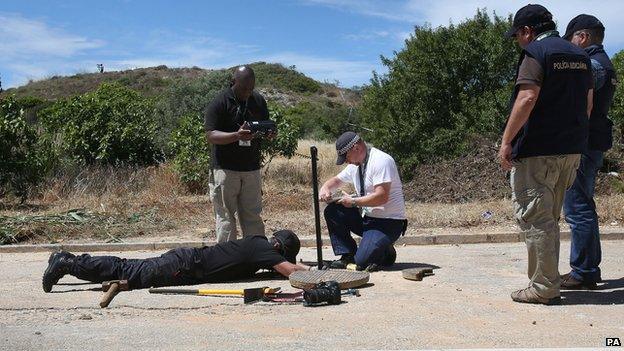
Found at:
[133, 203]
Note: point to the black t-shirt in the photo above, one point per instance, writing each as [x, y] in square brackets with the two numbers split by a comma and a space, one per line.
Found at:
[226, 114]
[238, 259]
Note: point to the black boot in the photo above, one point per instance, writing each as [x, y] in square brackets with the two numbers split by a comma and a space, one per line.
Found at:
[342, 262]
[59, 264]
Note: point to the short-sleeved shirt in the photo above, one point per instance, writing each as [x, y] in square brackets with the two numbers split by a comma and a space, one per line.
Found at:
[226, 114]
[380, 169]
[238, 259]
[531, 72]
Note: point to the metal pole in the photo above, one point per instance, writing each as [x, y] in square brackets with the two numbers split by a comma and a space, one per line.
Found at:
[317, 216]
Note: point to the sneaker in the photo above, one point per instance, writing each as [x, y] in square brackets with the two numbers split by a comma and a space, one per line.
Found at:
[342, 262]
[390, 256]
[373, 267]
[569, 283]
[58, 265]
[527, 295]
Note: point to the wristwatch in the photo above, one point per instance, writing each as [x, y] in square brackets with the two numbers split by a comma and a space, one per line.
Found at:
[353, 204]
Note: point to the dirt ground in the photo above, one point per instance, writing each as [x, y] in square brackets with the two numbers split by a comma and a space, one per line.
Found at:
[465, 304]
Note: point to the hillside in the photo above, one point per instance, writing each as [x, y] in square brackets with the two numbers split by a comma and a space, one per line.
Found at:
[283, 85]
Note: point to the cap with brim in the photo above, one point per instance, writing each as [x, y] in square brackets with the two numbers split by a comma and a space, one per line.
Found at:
[344, 143]
[289, 243]
[581, 22]
[530, 15]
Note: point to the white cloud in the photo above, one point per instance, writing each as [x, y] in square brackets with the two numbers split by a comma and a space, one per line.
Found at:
[21, 37]
[441, 12]
[369, 35]
[346, 72]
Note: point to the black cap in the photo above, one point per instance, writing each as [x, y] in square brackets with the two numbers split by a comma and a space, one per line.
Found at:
[582, 22]
[530, 15]
[344, 143]
[289, 243]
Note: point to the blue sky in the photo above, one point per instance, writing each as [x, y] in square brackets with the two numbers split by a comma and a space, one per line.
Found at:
[329, 40]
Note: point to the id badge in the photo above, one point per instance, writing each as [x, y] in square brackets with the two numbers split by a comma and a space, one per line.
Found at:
[244, 143]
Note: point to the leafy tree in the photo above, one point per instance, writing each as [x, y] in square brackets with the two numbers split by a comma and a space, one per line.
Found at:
[447, 84]
[110, 125]
[24, 157]
[617, 110]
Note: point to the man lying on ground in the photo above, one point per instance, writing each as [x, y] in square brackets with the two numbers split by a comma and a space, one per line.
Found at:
[228, 261]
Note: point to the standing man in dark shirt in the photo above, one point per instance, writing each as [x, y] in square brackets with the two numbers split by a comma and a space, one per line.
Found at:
[235, 182]
[233, 260]
[545, 134]
[587, 32]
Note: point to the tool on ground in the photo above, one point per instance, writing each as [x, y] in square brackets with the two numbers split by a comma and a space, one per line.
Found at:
[323, 292]
[317, 216]
[111, 289]
[345, 278]
[249, 295]
[417, 273]
[297, 297]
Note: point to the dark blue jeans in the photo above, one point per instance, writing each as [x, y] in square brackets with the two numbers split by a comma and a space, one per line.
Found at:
[377, 234]
[580, 213]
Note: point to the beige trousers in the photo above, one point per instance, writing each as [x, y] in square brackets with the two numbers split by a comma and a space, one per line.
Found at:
[538, 186]
[236, 194]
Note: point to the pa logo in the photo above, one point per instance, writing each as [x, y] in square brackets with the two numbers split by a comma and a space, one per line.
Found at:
[613, 342]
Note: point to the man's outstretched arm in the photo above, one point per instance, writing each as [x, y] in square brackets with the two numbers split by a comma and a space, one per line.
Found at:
[286, 268]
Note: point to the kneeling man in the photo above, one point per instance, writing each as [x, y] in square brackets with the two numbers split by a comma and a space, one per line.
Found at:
[377, 213]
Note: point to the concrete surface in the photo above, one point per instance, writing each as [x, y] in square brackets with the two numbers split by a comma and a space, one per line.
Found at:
[466, 304]
[450, 236]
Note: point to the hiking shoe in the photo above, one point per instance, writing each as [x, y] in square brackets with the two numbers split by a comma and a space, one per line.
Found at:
[390, 256]
[373, 267]
[342, 262]
[58, 265]
[527, 295]
[569, 283]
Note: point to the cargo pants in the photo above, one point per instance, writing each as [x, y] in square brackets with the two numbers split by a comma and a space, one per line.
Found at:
[538, 187]
[236, 194]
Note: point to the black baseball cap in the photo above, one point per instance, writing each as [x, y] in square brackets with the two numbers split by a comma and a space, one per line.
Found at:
[344, 143]
[289, 243]
[582, 22]
[530, 15]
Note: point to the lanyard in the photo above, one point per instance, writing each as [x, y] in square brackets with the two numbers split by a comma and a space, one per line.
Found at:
[362, 171]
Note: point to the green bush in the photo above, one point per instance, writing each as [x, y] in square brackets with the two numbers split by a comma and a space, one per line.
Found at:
[24, 157]
[322, 121]
[183, 98]
[285, 143]
[191, 151]
[111, 125]
[276, 76]
[445, 86]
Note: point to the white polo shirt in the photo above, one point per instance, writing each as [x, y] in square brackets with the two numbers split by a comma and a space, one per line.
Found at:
[380, 169]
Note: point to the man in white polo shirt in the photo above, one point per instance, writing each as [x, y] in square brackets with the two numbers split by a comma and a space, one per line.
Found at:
[376, 213]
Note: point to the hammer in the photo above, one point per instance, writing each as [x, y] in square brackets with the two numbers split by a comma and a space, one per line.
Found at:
[110, 289]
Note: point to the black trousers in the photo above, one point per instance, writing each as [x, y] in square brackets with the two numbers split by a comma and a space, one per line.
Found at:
[175, 267]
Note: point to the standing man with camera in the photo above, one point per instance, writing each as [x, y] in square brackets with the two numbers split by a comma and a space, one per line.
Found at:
[235, 181]
[545, 134]
[376, 213]
[587, 32]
